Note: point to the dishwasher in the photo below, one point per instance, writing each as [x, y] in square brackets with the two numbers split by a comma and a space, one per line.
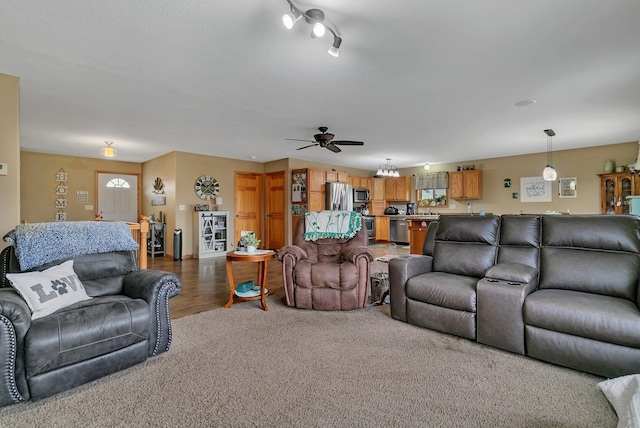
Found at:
[399, 230]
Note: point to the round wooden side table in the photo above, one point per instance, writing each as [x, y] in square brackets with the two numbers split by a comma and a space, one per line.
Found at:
[261, 257]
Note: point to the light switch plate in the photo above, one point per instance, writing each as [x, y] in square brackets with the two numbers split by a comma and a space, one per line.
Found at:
[3, 169]
[88, 207]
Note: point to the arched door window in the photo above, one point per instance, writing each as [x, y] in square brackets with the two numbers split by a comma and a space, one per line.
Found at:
[118, 182]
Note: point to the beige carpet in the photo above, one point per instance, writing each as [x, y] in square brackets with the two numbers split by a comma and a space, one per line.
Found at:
[287, 367]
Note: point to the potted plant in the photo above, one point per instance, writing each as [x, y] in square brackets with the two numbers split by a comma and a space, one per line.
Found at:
[251, 242]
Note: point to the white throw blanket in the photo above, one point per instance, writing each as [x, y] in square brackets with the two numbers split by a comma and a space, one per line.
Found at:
[331, 224]
[624, 395]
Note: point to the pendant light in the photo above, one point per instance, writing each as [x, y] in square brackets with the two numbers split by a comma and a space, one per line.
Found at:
[388, 170]
[549, 173]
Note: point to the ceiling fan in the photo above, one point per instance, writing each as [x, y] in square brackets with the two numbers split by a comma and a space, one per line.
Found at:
[325, 140]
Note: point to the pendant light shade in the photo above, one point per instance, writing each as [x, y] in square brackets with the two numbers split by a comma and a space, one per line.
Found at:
[549, 173]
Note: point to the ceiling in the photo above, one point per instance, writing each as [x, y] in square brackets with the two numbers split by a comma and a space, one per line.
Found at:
[417, 80]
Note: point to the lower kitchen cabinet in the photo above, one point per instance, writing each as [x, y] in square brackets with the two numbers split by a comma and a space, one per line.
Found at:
[417, 235]
[383, 232]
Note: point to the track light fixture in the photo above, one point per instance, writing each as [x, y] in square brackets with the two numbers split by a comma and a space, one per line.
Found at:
[315, 17]
[549, 173]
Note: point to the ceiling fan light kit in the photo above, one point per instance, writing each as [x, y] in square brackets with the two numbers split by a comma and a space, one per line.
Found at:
[314, 17]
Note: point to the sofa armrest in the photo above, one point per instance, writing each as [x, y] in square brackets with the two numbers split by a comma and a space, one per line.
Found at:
[499, 313]
[156, 288]
[513, 272]
[400, 270]
[15, 321]
[293, 252]
[354, 254]
[290, 256]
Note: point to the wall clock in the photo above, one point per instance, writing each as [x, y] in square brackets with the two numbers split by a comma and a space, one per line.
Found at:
[206, 187]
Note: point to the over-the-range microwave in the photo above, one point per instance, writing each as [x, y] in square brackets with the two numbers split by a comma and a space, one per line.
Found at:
[360, 195]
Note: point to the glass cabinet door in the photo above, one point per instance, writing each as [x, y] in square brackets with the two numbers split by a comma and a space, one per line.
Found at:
[625, 190]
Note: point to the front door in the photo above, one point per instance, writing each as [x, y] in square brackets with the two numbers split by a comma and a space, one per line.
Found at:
[248, 203]
[117, 196]
[274, 207]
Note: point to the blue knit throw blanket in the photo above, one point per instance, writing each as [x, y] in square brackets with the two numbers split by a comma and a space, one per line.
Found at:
[331, 224]
[39, 243]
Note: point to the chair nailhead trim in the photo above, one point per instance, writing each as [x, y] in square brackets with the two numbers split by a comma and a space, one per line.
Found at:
[10, 373]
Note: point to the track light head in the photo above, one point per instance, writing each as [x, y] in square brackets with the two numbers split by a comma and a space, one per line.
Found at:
[335, 49]
[290, 19]
[318, 30]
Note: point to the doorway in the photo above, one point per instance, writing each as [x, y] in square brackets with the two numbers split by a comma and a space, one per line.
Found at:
[118, 196]
[274, 207]
[248, 204]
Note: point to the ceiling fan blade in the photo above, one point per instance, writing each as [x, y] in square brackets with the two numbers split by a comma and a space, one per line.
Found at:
[334, 149]
[295, 139]
[310, 145]
[348, 143]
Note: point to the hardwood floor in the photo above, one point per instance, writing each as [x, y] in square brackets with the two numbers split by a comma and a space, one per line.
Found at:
[205, 286]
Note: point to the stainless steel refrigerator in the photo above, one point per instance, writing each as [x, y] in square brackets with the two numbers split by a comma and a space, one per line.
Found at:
[338, 196]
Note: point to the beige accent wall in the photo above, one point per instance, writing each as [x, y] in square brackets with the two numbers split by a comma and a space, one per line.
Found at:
[9, 153]
[179, 171]
[38, 184]
[584, 164]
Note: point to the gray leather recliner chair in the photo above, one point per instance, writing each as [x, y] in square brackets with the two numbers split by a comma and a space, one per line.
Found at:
[126, 321]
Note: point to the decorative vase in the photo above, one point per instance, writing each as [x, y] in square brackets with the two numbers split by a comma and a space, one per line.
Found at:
[637, 167]
[251, 248]
[608, 166]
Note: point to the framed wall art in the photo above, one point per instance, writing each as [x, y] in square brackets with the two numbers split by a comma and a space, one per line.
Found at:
[535, 189]
[568, 187]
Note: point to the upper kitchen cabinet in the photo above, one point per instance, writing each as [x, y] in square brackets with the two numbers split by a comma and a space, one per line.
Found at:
[360, 182]
[397, 189]
[465, 184]
[337, 177]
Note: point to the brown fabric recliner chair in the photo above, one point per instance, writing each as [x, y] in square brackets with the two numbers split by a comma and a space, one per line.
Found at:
[327, 274]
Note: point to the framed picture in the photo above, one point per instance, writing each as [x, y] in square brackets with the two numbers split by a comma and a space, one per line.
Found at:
[568, 187]
[535, 189]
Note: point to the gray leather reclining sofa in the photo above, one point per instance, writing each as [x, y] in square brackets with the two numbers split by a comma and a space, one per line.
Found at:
[126, 321]
[563, 289]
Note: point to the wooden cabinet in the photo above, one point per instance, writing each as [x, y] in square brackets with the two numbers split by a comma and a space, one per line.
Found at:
[377, 189]
[397, 189]
[417, 234]
[360, 182]
[317, 178]
[383, 231]
[335, 176]
[614, 189]
[465, 184]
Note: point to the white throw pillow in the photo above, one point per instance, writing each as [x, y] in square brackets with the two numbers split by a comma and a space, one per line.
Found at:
[624, 395]
[50, 290]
